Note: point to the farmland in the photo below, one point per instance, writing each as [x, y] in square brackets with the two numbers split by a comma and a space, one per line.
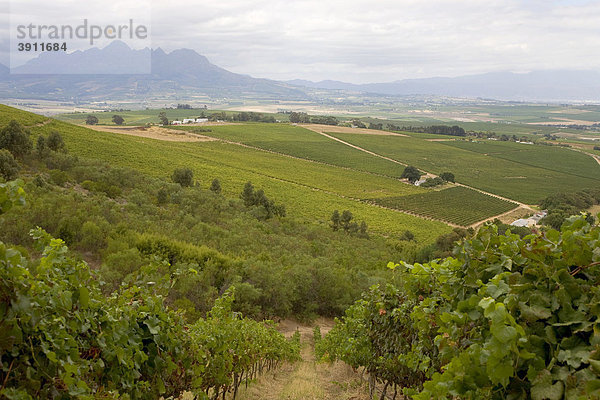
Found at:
[295, 183]
[521, 176]
[322, 174]
[458, 205]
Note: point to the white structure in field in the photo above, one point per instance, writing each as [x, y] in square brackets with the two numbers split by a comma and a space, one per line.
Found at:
[531, 221]
[201, 120]
[176, 123]
[189, 120]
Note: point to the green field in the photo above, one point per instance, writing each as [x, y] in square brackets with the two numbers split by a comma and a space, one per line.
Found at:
[459, 205]
[342, 175]
[526, 176]
[286, 180]
[303, 143]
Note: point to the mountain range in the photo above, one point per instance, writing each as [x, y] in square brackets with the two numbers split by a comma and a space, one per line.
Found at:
[119, 72]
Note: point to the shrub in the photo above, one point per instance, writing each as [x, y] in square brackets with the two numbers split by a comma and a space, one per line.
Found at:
[215, 186]
[183, 176]
[55, 141]
[9, 169]
[14, 138]
[59, 177]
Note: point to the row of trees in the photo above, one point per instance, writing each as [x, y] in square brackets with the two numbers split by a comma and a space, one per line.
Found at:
[304, 118]
[412, 174]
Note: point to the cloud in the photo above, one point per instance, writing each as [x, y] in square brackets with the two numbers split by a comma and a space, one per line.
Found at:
[374, 41]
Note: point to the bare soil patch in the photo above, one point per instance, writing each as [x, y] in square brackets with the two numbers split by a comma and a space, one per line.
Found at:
[564, 121]
[154, 132]
[345, 129]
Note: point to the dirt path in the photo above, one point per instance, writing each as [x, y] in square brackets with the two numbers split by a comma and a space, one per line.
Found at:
[307, 379]
[154, 132]
[46, 122]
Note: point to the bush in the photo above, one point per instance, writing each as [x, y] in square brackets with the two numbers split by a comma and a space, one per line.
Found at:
[183, 176]
[9, 169]
[215, 186]
[55, 141]
[447, 176]
[59, 177]
[92, 237]
[14, 138]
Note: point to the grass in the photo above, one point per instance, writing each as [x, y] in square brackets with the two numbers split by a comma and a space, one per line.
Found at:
[458, 205]
[295, 183]
[526, 178]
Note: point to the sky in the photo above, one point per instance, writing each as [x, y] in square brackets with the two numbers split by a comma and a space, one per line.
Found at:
[354, 40]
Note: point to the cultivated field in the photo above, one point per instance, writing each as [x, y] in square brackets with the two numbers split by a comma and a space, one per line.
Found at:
[458, 205]
[308, 190]
[527, 176]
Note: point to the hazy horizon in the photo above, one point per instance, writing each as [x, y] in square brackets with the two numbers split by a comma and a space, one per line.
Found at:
[360, 42]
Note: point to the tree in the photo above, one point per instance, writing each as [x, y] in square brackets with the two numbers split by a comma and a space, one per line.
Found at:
[162, 116]
[299, 118]
[55, 141]
[248, 194]
[411, 173]
[41, 147]
[9, 169]
[447, 176]
[215, 186]
[183, 176]
[335, 220]
[91, 120]
[117, 119]
[14, 138]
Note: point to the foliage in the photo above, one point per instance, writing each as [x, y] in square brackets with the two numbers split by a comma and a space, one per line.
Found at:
[265, 207]
[432, 182]
[9, 169]
[447, 176]
[15, 138]
[162, 117]
[561, 205]
[215, 186]
[55, 141]
[62, 337]
[299, 118]
[508, 317]
[183, 176]
[411, 173]
[11, 194]
[91, 120]
[118, 119]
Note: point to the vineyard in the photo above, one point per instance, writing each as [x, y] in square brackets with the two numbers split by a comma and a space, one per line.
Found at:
[309, 190]
[62, 337]
[524, 177]
[459, 205]
[303, 143]
[507, 318]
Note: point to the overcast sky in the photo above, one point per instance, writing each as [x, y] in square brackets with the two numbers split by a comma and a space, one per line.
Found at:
[369, 41]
